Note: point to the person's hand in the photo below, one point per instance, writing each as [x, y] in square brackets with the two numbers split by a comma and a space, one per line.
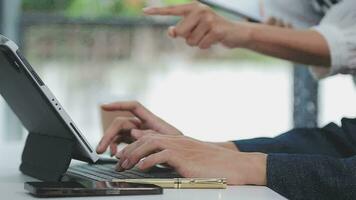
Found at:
[192, 158]
[119, 129]
[201, 26]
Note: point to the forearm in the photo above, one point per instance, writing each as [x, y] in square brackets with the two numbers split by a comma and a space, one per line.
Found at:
[302, 46]
[201, 26]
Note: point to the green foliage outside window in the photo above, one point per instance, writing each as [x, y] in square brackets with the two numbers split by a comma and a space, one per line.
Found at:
[45, 5]
[174, 2]
[92, 8]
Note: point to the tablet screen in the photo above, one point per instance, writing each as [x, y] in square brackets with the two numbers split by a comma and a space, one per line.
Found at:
[244, 8]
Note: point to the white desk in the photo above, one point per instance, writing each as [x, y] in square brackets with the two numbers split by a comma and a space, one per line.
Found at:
[11, 184]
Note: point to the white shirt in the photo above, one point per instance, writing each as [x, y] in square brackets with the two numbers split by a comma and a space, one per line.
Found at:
[337, 26]
[323, 6]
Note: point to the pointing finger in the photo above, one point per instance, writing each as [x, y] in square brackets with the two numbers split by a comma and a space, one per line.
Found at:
[132, 106]
[178, 10]
[113, 131]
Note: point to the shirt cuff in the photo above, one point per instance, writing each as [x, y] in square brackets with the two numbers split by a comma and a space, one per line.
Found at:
[320, 72]
[295, 176]
[262, 145]
[247, 145]
[282, 170]
[336, 44]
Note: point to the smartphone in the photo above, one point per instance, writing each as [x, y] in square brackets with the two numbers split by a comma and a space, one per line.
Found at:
[89, 188]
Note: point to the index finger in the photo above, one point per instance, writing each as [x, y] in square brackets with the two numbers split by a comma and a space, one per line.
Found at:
[178, 10]
[134, 107]
[112, 132]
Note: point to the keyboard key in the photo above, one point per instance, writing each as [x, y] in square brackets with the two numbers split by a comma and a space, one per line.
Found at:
[107, 172]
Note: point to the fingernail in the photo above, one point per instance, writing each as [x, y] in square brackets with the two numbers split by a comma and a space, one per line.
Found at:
[103, 106]
[119, 154]
[119, 168]
[139, 164]
[172, 32]
[125, 164]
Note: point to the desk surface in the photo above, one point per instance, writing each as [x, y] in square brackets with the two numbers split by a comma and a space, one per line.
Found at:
[11, 184]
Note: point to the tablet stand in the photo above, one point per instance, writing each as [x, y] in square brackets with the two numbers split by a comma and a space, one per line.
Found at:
[46, 157]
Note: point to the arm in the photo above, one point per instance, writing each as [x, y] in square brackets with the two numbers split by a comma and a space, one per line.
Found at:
[193, 158]
[310, 163]
[295, 176]
[338, 27]
[140, 118]
[311, 176]
[302, 46]
[201, 27]
[330, 140]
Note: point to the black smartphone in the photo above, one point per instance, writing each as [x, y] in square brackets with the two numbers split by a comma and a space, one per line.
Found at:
[89, 188]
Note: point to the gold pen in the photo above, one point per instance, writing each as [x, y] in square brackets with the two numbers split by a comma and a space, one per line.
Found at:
[180, 183]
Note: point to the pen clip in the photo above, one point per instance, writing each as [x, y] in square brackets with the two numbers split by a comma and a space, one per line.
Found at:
[208, 181]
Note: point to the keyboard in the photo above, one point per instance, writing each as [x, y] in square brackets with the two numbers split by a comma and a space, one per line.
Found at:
[107, 172]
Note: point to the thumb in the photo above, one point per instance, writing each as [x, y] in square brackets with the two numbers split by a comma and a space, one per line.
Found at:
[172, 31]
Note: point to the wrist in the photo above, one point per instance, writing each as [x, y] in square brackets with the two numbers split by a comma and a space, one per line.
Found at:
[227, 145]
[240, 35]
[256, 169]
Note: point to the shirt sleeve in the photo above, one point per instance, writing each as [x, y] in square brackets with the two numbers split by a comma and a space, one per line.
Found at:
[312, 176]
[338, 27]
[330, 140]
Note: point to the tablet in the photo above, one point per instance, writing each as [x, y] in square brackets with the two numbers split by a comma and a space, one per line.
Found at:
[249, 9]
[34, 104]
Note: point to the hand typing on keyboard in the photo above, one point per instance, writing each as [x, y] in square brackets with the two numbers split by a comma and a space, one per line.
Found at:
[119, 129]
[154, 141]
[192, 158]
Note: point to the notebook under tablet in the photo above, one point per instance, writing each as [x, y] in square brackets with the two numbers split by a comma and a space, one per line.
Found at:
[53, 139]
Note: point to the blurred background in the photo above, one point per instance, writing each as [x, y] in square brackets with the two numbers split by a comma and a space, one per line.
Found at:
[90, 52]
